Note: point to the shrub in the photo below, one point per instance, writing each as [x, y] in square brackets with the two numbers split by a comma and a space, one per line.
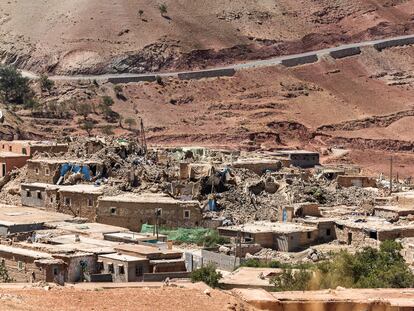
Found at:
[163, 9]
[130, 122]
[84, 109]
[208, 275]
[88, 126]
[45, 83]
[107, 101]
[290, 280]
[107, 130]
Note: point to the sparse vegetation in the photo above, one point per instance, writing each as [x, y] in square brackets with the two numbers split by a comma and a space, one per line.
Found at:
[107, 130]
[208, 275]
[163, 8]
[4, 274]
[131, 122]
[140, 13]
[84, 109]
[290, 280]
[45, 83]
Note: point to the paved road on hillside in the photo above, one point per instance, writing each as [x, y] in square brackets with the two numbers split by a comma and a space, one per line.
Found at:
[251, 64]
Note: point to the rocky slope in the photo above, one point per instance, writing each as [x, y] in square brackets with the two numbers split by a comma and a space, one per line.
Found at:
[73, 37]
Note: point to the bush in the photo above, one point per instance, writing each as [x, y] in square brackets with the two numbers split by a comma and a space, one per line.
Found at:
[163, 9]
[208, 275]
[14, 88]
[290, 280]
[45, 83]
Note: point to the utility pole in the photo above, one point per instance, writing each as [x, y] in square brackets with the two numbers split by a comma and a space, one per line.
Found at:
[391, 160]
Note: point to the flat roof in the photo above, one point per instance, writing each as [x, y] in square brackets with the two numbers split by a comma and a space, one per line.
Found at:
[133, 236]
[395, 208]
[90, 228]
[33, 142]
[83, 188]
[24, 252]
[371, 222]
[39, 185]
[296, 152]
[265, 226]
[16, 215]
[145, 198]
[8, 154]
[144, 250]
[246, 276]
[122, 257]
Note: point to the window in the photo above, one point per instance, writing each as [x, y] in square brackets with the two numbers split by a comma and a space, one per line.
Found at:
[3, 168]
[28, 194]
[51, 199]
[39, 195]
[113, 210]
[373, 235]
[328, 232]
[47, 171]
[20, 265]
[24, 151]
[158, 212]
[90, 202]
[67, 201]
[37, 171]
[110, 267]
[55, 270]
[10, 148]
[121, 269]
[139, 271]
[309, 235]
[186, 214]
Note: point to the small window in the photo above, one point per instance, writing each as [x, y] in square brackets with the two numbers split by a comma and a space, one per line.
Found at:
[20, 265]
[47, 171]
[328, 232]
[121, 269]
[373, 235]
[158, 212]
[4, 146]
[37, 171]
[39, 195]
[309, 235]
[139, 271]
[28, 194]
[55, 270]
[110, 268]
[51, 199]
[90, 202]
[24, 151]
[113, 210]
[10, 148]
[67, 201]
[186, 214]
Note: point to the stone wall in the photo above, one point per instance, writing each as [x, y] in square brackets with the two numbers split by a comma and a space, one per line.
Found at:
[81, 204]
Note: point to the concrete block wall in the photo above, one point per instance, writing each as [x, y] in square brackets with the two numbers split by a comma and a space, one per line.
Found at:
[207, 74]
[300, 60]
[345, 52]
[393, 42]
[126, 79]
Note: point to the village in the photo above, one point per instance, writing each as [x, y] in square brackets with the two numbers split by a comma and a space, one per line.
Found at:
[95, 210]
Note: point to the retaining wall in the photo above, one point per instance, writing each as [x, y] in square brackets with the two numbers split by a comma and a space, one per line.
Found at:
[345, 52]
[160, 277]
[300, 60]
[395, 42]
[116, 80]
[207, 74]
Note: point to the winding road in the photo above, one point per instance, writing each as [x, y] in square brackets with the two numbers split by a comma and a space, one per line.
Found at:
[338, 52]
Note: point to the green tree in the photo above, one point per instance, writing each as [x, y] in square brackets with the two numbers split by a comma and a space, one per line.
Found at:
[84, 109]
[14, 88]
[4, 274]
[208, 275]
[45, 83]
[88, 126]
[107, 100]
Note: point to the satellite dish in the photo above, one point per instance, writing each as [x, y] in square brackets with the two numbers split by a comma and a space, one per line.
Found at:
[1, 117]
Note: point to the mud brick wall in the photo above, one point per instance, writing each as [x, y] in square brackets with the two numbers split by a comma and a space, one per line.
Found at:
[78, 204]
[42, 172]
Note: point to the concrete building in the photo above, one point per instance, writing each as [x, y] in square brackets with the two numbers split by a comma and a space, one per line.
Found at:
[131, 211]
[300, 158]
[10, 161]
[39, 195]
[30, 147]
[258, 165]
[280, 236]
[370, 229]
[123, 268]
